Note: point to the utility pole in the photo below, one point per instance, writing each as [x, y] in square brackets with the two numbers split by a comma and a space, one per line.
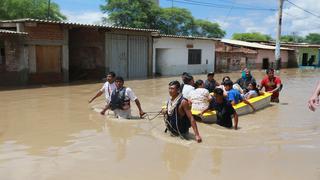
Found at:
[277, 50]
[48, 13]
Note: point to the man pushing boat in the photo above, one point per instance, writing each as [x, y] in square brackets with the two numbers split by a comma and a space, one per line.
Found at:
[178, 114]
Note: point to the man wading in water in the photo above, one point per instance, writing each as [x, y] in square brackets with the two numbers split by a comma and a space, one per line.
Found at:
[179, 117]
[120, 101]
[107, 88]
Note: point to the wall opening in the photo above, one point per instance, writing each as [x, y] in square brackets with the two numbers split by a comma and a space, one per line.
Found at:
[265, 63]
[2, 57]
[304, 59]
[86, 54]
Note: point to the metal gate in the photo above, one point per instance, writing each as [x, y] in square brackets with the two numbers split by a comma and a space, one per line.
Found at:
[138, 57]
[127, 55]
[117, 53]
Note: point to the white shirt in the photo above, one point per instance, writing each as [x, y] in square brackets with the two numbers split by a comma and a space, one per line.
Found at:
[107, 88]
[126, 114]
[200, 99]
[186, 90]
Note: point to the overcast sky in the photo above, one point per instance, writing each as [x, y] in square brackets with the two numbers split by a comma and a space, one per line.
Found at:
[229, 17]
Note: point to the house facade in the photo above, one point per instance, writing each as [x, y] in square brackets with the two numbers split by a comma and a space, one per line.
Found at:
[54, 52]
[233, 55]
[173, 55]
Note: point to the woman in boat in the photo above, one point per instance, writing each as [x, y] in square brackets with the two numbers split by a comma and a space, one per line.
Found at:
[200, 97]
[253, 91]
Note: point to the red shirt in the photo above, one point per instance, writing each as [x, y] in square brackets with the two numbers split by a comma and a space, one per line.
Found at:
[270, 85]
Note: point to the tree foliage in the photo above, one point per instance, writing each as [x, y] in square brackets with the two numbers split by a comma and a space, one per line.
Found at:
[146, 14]
[313, 38]
[37, 9]
[292, 38]
[255, 36]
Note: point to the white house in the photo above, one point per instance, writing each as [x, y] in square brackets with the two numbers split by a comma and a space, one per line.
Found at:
[173, 55]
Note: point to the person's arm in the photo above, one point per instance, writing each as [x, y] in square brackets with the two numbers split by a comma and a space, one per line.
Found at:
[187, 110]
[278, 85]
[247, 102]
[99, 93]
[314, 99]
[236, 120]
[105, 109]
[141, 113]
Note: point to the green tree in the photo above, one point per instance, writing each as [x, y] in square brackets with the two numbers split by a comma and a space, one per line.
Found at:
[146, 14]
[131, 13]
[255, 36]
[38, 9]
[176, 21]
[313, 38]
[292, 38]
[208, 29]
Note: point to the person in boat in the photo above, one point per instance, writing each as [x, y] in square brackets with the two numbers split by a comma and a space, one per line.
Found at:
[245, 79]
[178, 114]
[120, 101]
[188, 86]
[224, 110]
[107, 88]
[314, 100]
[234, 95]
[272, 84]
[253, 91]
[210, 84]
[200, 97]
[221, 86]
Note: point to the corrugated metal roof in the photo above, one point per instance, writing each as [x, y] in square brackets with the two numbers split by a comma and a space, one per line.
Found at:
[76, 24]
[188, 37]
[4, 31]
[250, 44]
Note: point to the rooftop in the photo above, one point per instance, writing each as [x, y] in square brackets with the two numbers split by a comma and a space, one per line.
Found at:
[188, 37]
[250, 44]
[75, 24]
[4, 31]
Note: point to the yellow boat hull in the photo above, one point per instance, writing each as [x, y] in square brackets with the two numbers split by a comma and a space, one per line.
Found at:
[258, 103]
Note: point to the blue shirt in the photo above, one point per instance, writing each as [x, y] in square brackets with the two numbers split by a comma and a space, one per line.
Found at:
[234, 95]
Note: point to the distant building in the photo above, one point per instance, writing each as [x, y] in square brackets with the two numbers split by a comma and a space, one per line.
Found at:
[43, 51]
[306, 54]
[173, 55]
[232, 55]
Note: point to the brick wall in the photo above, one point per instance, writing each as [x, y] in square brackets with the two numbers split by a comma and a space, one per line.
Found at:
[44, 31]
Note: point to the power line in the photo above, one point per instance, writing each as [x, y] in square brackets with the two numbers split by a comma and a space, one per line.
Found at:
[299, 7]
[222, 6]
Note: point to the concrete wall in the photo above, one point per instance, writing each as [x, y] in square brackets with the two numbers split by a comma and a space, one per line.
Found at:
[170, 56]
[310, 52]
[262, 53]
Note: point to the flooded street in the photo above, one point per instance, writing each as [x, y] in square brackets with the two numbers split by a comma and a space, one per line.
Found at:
[53, 133]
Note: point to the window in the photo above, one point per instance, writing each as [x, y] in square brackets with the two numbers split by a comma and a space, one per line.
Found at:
[194, 56]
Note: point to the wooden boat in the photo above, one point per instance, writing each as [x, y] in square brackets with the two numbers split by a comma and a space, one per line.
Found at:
[258, 103]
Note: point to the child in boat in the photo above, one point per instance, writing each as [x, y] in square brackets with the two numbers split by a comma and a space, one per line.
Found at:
[234, 95]
[224, 110]
[253, 91]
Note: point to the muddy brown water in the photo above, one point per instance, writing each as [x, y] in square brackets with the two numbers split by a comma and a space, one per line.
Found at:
[53, 133]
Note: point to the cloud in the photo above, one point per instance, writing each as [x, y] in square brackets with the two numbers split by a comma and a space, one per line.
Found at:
[86, 17]
[297, 20]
